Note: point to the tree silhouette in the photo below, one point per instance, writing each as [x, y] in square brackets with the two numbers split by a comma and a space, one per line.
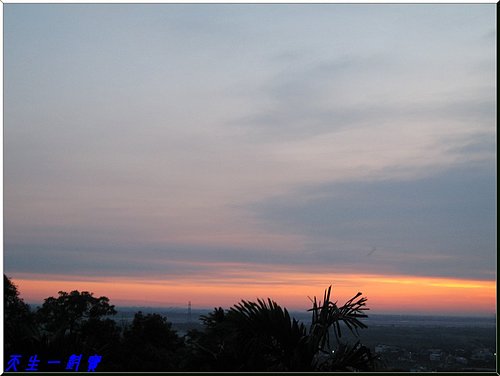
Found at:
[150, 344]
[20, 331]
[326, 317]
[250, 336]
[69, 311]
[262, 336]
[77, 323]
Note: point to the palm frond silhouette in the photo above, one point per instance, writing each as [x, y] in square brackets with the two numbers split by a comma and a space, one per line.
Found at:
[262, 336]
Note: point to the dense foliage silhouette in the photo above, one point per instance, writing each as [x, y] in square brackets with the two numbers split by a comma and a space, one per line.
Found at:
[262, 336]
[20, 330]
[150, 344]
[250, 336]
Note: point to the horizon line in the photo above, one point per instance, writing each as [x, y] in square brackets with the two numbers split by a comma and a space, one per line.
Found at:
[492, 315]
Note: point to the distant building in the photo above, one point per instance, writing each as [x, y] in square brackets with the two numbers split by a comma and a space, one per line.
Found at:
[435, 355]
[482, 354]
[419, 369]
[382, 348]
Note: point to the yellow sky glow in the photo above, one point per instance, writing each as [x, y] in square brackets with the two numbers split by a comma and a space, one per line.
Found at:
[384, 293]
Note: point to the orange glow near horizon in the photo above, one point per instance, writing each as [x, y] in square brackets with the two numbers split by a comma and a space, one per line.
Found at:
[398, 294]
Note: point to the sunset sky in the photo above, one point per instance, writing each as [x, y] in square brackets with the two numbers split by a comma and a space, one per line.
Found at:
[160, 154]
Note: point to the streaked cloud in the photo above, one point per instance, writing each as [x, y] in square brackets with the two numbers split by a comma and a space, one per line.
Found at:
[168, 139]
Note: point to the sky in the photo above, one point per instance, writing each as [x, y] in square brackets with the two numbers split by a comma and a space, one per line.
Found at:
[160, 154]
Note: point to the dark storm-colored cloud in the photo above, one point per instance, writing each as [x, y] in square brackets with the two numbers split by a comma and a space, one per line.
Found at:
[68, 258]
[443, 224]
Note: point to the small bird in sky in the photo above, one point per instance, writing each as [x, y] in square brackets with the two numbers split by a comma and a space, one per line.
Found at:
[371, 252]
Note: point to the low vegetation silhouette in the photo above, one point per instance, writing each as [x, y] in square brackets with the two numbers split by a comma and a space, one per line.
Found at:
[249, 336]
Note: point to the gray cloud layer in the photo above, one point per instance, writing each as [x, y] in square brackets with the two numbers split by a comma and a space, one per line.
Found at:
[140, 139]
[441, 225]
